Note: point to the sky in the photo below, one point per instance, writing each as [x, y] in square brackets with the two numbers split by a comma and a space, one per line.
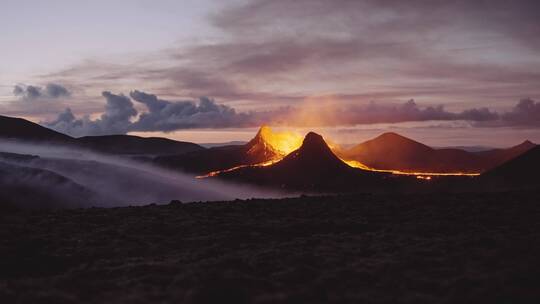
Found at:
[446, 73]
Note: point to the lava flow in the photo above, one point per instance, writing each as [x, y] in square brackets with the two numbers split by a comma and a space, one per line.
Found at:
[215, 173]
[419, 175]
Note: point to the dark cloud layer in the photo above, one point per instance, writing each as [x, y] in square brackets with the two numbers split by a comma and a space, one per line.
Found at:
[121, 117]
[30, 92]
[517, 19]
[526, 112]
[284, 36]
[164, 115]
[280, 51]
[116, 119]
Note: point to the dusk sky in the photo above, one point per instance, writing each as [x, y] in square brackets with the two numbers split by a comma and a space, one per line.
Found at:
[445, 73]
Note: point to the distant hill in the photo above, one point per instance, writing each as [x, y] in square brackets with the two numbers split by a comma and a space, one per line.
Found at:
[393, 151]
[312, 167]
[257, 150]
[520, 172]
[134, 145]
[21, 129]
[467, 148]
[221, 144]
[496, 157]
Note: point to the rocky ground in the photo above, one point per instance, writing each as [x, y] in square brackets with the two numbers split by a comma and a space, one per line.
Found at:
[456, 248]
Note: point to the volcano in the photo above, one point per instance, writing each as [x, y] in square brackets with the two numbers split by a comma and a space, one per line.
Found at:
[313, 155]
[312, 167]
[391, 151]
[265, 146]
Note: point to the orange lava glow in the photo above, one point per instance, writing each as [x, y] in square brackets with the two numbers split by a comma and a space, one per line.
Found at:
[214, 173]
[419, 175]
[285, 142]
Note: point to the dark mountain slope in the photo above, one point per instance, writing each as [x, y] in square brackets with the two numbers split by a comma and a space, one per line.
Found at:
[520, 172]
[18, 129]
[390, 151]
[496, 157]
[134, 145]
[21, 129]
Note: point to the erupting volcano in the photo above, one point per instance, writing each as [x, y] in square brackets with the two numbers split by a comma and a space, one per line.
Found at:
[392, 153]
[312, 167]
[271, 145]
[389, 153]
[266, 147]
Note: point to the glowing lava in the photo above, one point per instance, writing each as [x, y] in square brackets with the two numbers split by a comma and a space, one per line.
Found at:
[419, 175]
[215, 173]
[282, 143]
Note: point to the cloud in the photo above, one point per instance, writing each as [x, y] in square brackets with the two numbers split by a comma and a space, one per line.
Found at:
[526, 112]
[408, 111]
[278, 52]
[479, 115]
[518, 19]
[54, 90]
[30, 92]
[116, 119]
[373, 113]
[164, 115]
[121, 117]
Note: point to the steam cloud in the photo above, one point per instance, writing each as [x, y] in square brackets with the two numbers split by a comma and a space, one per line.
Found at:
[121, 117]
[65, 173]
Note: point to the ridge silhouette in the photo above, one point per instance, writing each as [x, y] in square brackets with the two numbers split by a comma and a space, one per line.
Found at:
[392, 151]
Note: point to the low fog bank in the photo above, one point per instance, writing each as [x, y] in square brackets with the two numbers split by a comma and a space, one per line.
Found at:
[23, 187]
[66, 177]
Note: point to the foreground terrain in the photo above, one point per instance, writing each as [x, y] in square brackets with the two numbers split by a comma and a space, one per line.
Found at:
[456, 248]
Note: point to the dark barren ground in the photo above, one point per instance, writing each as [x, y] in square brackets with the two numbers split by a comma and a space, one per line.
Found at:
[456, 248]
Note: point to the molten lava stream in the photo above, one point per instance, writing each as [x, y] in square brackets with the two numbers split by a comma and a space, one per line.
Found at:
[419, 175]
[217, 172]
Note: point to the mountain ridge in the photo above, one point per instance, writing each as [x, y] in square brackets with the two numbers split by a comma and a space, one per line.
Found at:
[22, 129]
[391, 151]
